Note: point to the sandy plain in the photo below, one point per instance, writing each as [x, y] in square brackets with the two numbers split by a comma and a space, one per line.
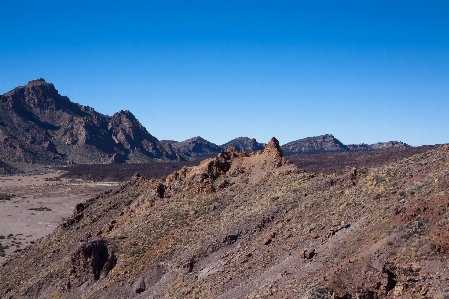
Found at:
[40, 202]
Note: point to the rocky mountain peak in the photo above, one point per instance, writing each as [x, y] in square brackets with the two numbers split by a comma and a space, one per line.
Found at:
[36, 95]
[37, 81]
[273, 148]
[124, 119]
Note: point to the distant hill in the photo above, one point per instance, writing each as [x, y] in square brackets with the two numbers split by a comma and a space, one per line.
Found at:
[198, 147]
[193, 147]
[318, 144]
[249, 145]
[377, 146]
[328, 143]
[38, 125]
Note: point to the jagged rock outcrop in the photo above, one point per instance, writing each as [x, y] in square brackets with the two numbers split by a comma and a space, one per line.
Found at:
[230, 161]
[92, 260]
[38, 125]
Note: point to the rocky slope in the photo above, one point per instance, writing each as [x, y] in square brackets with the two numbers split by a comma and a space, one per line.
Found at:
[328, 143]
[6, 169]
[251, 226]
[38, 125]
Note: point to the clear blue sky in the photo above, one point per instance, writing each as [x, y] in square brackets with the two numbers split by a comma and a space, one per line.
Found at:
[365, 71]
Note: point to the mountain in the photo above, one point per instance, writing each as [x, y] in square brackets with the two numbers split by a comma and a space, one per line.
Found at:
[249, 145]
[377, 146]
[251, 226]
[38, 125]
[328, 143]
[198, 147]
[318, 144]
[193, 147]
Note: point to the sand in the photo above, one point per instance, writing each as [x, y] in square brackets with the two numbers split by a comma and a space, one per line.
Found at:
[40, 203]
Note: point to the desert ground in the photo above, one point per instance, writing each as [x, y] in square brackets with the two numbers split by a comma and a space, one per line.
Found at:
[38, 203]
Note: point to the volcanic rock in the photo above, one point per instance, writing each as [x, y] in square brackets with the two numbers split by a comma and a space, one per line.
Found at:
[92, 260]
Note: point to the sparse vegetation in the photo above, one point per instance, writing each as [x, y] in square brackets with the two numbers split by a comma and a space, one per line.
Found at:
[5, 196]
[40, 209]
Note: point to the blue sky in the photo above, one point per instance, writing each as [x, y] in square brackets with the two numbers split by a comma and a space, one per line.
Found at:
[365, 71]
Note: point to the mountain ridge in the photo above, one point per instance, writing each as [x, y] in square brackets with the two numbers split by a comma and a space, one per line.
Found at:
[328, 143]
[38, 125]
[41, 126]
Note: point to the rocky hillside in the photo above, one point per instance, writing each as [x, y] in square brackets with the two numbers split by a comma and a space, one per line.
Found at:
[38, 125]
[328, 143]
[251, 226]
[6, 169]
